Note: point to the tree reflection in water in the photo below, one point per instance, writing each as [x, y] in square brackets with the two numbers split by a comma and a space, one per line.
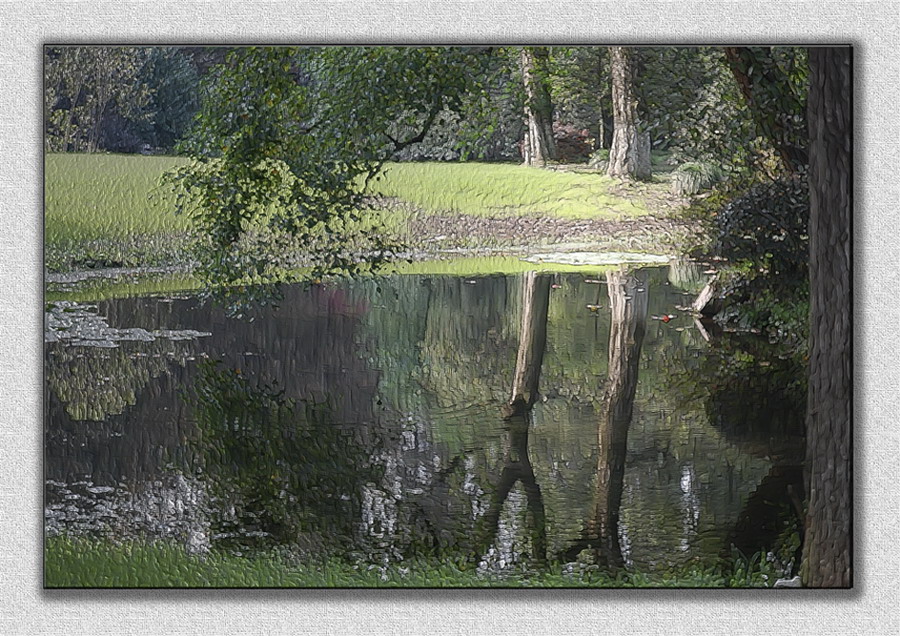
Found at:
[518, 416]
[628, 309]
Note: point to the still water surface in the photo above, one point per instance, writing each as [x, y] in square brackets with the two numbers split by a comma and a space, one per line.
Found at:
[374, 421]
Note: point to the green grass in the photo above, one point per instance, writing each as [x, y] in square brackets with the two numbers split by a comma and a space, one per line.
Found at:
[90, 563]
[91, 197]
[494, 189]
[104, 288]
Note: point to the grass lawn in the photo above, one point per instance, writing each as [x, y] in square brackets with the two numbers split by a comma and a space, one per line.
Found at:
[499, 189]
[90, 197]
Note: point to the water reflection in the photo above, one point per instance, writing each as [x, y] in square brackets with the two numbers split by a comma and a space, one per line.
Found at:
[507, 421]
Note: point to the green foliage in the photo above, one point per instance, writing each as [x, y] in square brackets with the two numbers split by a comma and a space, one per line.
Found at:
[285, 143]
[283, 465]
[692, 177]
[691, 105]
[174, 98]
[86, 85]
[767, 227]
[762, 233]
[774, 85]
[579, 81]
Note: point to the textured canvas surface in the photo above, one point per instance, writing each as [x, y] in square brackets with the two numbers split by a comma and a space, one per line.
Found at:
[870, 608]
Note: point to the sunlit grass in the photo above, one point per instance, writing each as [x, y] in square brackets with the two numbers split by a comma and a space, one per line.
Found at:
[90, 563]
[100, 196]
[496, 189]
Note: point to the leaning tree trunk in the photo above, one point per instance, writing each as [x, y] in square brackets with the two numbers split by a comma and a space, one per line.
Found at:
[629, 154]
[539, 145]
[826, 550]
[776, 109]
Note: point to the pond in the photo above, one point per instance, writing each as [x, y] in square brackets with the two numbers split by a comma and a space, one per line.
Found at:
[511, 422]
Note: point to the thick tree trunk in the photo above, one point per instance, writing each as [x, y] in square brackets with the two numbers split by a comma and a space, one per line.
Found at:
[539, 145]
[826, 551]
[629, 154]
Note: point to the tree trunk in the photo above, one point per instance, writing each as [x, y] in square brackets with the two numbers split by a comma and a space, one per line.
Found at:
[826, 550]
[517, 418]
[629, 154]
[539, 145]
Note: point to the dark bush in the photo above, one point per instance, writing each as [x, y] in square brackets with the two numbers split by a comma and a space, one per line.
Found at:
[766, 227]
[762, 233]
[573, 144]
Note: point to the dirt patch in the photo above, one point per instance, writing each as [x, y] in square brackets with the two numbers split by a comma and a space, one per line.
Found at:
[643, 234]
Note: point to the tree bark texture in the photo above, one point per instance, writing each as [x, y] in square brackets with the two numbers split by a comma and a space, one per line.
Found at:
[826, 551]
[629, 153]
[539, 145]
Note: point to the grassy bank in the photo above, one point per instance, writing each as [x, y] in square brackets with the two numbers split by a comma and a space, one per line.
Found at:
[83, 563]
[108, 211]
[105, 211]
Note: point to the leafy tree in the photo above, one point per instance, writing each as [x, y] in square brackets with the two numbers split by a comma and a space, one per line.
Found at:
[773, 82]
[539, 145]
[174, 100]
[286, 141]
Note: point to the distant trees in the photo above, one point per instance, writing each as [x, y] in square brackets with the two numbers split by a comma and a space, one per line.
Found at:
[117, 98]
[83, 86]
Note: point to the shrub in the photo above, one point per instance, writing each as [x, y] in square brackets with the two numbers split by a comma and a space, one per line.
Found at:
[599, 160]
[767, 227]
[692, 177]
[763, 234]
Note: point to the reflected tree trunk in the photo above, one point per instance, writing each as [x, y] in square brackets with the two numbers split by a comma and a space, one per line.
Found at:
[628, 309]
[532, 342]
[826, 550]
[517, 414]
[539, 145]
[517, 467]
